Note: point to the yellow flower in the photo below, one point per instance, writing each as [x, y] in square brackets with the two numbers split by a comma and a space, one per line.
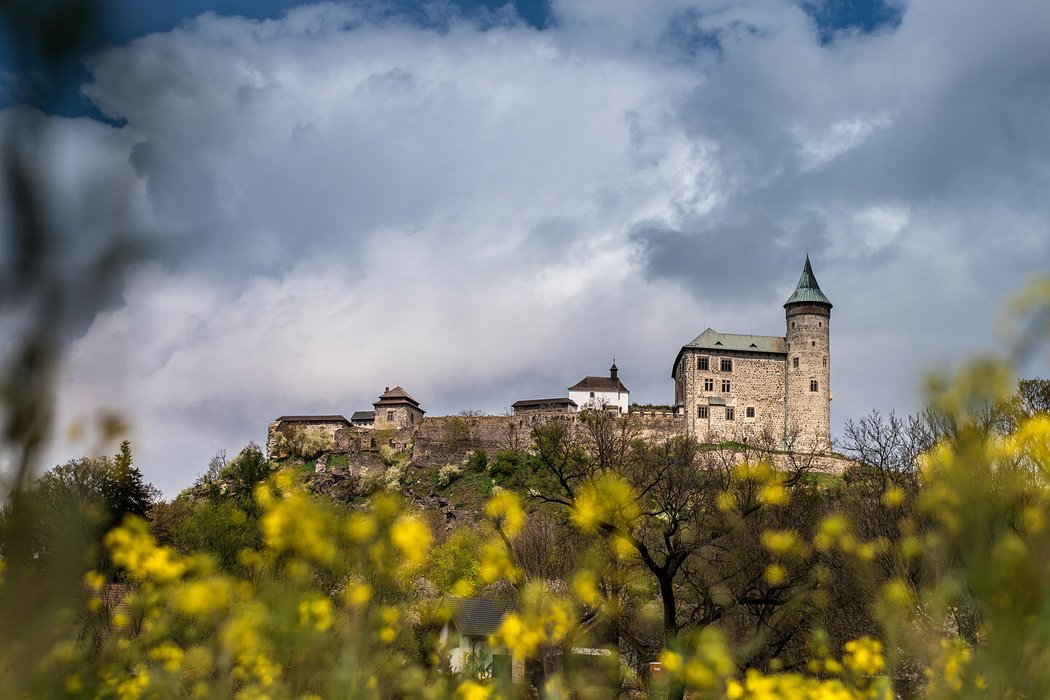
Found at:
[774, 495]
[893, 497]
[412, 537]
[169, 656]
[472, 690]
[204, 596]
[606, 500]
[585, 586]
[780, 542]
[504, 509]
[316, 612]
[864, 656]
[775, 574]
[358, 594]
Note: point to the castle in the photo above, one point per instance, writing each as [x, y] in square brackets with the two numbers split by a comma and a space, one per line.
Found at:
[727, 387]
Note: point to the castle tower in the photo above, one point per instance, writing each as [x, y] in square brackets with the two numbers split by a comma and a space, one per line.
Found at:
[807, 389]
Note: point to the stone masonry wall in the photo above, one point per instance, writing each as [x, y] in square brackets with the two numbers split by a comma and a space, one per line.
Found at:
[756, 380]
[808, 411]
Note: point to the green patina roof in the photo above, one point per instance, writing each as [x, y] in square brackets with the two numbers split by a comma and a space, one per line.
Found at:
[808, 291]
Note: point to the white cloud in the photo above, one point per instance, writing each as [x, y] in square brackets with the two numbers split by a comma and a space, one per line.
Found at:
[368, 202]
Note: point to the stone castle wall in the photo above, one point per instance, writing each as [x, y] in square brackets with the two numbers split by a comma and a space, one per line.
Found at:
[756, 381]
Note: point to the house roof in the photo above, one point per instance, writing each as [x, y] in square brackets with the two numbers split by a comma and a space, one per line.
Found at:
[525, 403]
[599, 384]
[363, 415]
[736, 342]
[475, 617]
[397, 395]
[808, 291]
[314, 419]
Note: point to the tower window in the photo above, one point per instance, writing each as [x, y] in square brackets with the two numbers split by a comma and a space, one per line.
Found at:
[727, 364]
[709, 385]
[820, 324]
[390, 415]
[812, 384]
[794, 362]
[702, 363]
[730, 413]
[749, 412]
[813, 343]
[725, 386]
[825, 362]
[792, 324]
[701, 411]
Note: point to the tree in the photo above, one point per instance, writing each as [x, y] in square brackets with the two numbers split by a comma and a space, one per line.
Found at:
[693, 519]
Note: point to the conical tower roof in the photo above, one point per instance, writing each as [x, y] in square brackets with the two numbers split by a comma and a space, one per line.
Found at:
[807, 291]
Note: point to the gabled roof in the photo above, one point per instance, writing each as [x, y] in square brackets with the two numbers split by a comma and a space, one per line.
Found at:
[397, 395]
[599, 384]
[314, 419]
[714, 341]
[363, 415]
[807, 291]
[560, 401]
[475, 617]
[737, 342]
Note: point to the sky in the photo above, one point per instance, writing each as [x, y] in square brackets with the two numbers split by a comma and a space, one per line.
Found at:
[484, 203]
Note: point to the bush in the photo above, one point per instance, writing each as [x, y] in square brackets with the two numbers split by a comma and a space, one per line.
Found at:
[448, 473]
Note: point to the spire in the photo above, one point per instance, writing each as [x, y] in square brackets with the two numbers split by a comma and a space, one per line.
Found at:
[807, 291]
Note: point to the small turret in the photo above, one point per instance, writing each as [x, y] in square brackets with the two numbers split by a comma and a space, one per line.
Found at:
[612, 371]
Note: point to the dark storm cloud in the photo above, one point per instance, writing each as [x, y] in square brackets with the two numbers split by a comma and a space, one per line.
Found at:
[478, 209]
[741, 264]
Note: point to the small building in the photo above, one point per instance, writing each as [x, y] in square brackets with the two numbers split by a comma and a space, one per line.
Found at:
[473, 624]
[601, 392]
[396, 409]
[363, 419]
[558, 405]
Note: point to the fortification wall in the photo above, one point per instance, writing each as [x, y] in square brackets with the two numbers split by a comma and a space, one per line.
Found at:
[659, 425]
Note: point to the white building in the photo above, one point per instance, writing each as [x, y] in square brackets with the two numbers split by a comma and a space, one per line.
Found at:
[601, 392]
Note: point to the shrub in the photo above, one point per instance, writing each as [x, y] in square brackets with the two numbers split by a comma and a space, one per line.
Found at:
[448, 473]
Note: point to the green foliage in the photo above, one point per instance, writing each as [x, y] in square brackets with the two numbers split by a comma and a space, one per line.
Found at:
[453, 566]
[477, 460]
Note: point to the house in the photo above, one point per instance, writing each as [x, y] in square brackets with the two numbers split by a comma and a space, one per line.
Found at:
[363, 419]
[601, 392]
[396, 409]
[473, 624]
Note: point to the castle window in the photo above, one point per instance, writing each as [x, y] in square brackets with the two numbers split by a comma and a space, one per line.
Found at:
[825, 362]
[709, 385]
[727, 364]
[812, 384]
[749, 412]
[820, 324]
[390, 415]
[701, 363]
[813, 343]
[792, 324]
[730, 413]
[725, 386]
[701, 411]
[794, 362]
